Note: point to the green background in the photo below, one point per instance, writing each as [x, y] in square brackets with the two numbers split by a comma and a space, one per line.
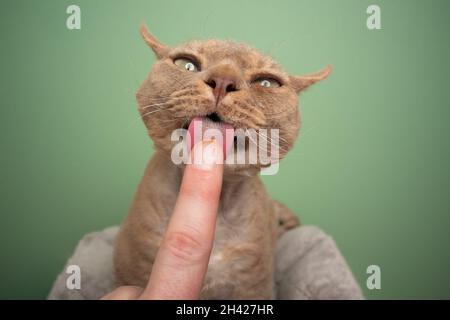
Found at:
[371, 169]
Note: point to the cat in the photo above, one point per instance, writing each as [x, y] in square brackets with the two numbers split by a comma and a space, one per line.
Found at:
[226, 82]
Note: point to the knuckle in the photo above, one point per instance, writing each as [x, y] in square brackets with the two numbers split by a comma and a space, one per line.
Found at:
[186, 248]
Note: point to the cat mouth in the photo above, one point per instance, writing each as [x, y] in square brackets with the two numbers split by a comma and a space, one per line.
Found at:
[211, 126]
[213, 116]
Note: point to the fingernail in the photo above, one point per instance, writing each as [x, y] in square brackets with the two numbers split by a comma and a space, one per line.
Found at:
[206, 154]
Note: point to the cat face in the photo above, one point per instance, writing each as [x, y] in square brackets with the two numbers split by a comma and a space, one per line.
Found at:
[225, 82]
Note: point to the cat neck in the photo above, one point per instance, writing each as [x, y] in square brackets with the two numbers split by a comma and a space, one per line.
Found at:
[161, 182]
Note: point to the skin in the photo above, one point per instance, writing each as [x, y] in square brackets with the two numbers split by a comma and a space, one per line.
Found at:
[248, 220]
[182, 260]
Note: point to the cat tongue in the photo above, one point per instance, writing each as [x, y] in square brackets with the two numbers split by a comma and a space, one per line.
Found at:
[198, 127]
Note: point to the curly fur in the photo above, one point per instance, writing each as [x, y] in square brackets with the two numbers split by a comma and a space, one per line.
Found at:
[249, 221]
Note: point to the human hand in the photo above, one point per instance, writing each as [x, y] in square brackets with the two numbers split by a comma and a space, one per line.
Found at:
[182, 260]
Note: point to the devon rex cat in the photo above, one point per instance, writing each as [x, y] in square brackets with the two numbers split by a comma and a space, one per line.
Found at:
[221, 83]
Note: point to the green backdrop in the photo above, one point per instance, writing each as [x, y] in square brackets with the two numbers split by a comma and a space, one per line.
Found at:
[371, 169]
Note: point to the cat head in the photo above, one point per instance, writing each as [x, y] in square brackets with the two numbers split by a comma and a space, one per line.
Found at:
[226, 82]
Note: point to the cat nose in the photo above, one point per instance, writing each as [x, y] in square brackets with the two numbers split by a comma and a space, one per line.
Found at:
[221, 86]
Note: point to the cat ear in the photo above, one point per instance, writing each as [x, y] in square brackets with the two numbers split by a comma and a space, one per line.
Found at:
[160, 49]
[300, 83]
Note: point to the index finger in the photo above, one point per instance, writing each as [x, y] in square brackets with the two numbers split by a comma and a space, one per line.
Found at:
[182, 260]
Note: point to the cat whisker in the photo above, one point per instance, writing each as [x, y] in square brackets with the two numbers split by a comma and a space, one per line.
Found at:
[265, 149]
[176, 119]
[159, 97]
[277, 147]
[153, 98]
[183, 92]
[302, 134]
[271, 141]
[166, 102]
[268, 115]
[281, 138]
[156, 98]
[153, 105]
[150, 112]
[272, 114]
[169, 122]
[258, 146]
[275, 115]
[258, 121]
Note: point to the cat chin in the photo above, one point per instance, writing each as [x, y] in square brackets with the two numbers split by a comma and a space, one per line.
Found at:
[233, 170]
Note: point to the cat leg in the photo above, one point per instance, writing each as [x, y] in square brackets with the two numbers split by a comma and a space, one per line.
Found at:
[286, 218]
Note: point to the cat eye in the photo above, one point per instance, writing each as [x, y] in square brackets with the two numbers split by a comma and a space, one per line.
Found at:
[187, 64]
[267, 82]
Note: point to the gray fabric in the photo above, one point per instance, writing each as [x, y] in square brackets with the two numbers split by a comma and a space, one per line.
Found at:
[308, 266]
